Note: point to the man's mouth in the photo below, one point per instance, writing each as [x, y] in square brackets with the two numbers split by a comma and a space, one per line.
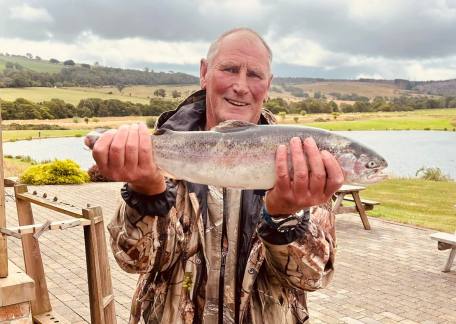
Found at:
[236, 103]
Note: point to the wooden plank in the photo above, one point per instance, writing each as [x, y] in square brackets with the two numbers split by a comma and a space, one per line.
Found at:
[350, 188]
[32, 255]
[10, 181]
[364, 201]
[17, 288]
[105, 271]
[3, 238]
[58, 207]
[93, 270]
[361, 210]
[338, 202]
[50, 318]
[56, 225]
[444, 237]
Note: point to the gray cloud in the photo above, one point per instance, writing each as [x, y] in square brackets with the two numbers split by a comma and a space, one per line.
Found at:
[347, 34]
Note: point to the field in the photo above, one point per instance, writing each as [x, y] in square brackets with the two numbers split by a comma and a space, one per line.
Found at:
[142, 93]
[35, 65]
[416, 202]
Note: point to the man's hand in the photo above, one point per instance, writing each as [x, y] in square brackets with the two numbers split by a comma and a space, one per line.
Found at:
[316, 177]
[126, 155]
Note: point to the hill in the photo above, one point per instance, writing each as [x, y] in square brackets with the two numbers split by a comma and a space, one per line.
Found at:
[21, 71]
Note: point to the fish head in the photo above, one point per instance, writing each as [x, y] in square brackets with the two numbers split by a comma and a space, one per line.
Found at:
[362, 165]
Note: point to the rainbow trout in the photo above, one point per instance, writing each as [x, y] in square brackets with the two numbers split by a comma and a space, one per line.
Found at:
[237, 154]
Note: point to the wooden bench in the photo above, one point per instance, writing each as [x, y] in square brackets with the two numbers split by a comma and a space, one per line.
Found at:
[368, 204]
[446, 241]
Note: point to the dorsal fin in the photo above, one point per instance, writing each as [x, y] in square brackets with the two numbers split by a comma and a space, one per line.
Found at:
[229, 126]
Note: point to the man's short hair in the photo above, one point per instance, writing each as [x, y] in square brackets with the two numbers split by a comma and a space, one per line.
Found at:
[215, 45]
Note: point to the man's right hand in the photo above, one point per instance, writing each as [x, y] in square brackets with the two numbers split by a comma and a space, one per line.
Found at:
[126, 155]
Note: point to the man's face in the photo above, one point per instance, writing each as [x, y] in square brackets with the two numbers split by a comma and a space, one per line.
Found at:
[236, 79]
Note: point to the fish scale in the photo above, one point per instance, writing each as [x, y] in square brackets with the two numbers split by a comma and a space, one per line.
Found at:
[237, 154]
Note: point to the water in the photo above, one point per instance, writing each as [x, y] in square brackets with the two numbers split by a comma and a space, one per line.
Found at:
[405, 151]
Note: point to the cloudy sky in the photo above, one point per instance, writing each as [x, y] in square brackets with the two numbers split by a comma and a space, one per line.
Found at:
[348, 39]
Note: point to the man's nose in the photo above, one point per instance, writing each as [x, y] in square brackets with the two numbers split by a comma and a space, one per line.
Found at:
[240, 85]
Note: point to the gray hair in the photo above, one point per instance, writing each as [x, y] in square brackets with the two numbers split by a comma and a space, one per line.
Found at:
[215, 45]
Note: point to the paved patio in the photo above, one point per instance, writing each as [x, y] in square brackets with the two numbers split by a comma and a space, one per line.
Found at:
[390, 274]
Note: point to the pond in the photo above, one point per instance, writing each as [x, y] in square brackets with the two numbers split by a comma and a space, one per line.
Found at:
[405, 151]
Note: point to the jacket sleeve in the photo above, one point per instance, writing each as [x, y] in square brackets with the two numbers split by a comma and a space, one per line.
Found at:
[148, 243]
[306, 263]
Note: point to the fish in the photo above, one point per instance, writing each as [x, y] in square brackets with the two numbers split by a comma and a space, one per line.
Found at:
[239, 154]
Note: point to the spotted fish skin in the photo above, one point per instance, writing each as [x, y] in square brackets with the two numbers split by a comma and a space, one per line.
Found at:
[237, 154]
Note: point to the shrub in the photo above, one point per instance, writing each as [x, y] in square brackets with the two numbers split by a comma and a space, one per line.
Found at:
[150, 122]
[296, 119]
[282, 115]
[56, 172]
[95, 175]
[433, 174]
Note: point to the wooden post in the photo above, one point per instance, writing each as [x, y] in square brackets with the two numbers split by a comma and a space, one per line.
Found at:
[98, 272]
[32, 255]
[3, 240]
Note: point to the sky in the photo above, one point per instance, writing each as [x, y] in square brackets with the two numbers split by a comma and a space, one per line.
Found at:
[382, 39]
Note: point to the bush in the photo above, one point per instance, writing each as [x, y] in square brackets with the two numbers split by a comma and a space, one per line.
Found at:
[96, 176]
[282, 115]
[296, 119]
[433, 174]
[56, 172]
[150, 122]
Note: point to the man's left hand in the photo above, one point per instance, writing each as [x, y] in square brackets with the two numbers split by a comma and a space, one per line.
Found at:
[315, 177]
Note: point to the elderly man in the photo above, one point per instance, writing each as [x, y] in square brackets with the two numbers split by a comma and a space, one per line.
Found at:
[220, 255]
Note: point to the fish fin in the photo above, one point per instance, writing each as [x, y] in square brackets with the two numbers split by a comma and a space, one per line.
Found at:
[229, 126]
[160, 131]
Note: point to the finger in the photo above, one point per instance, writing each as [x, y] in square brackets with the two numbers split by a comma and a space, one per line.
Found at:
[334, 172]
[117, 150]
[100, 151]
[132, 148]
[317, 173]
[300, 170]
[282, 175]
[145, 147]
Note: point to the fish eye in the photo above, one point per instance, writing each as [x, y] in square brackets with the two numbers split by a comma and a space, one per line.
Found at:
[371, 164]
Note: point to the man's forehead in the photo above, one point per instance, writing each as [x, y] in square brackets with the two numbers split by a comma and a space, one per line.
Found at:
[243, 44]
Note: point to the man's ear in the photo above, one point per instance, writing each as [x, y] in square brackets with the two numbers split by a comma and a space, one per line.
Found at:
[203, 72]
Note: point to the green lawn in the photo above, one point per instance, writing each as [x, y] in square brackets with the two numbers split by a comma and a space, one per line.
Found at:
[406, 123]
[423, 203]
[14, 135]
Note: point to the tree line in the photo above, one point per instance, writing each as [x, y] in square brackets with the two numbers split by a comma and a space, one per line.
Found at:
[93, 107]
[16, 76]
[403, 103]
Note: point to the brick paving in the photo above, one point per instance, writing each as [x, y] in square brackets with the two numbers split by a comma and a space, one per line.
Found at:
[390, 274]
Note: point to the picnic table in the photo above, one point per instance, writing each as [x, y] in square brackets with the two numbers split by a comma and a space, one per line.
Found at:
[351, 193]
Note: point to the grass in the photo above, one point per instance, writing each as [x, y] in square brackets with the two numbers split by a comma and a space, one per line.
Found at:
[424, 203]
[423, 119]
[16, 135]
[14, 167]
[71, 95]
[35, 65]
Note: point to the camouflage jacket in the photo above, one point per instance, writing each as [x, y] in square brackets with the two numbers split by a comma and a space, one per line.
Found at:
[167, 248]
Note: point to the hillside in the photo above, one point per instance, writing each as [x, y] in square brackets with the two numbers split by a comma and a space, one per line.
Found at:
[36, 65]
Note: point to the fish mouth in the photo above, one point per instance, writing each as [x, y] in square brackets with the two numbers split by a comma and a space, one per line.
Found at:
[376, 176]
[236, 103]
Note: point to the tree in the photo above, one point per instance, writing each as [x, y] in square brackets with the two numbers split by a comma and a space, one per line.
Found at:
[176, 94]
[160, 93]
[120, 87]
[29, 56]
[54, 61]
[86, 66]
[69, 63]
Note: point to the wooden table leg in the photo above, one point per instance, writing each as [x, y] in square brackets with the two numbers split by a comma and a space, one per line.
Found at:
[338, 202]
[361, 211]
[447, 267]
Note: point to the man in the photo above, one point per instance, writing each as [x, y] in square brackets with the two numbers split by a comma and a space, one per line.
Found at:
[217, 255]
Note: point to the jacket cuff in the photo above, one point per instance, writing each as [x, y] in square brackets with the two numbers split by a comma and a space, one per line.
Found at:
[155, 205]
[283, 231]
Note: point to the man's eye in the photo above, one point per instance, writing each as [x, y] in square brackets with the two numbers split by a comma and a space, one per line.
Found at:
[230, 69]
[253, 75]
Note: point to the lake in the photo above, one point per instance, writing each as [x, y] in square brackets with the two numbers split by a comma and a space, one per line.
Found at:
[405, 151]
